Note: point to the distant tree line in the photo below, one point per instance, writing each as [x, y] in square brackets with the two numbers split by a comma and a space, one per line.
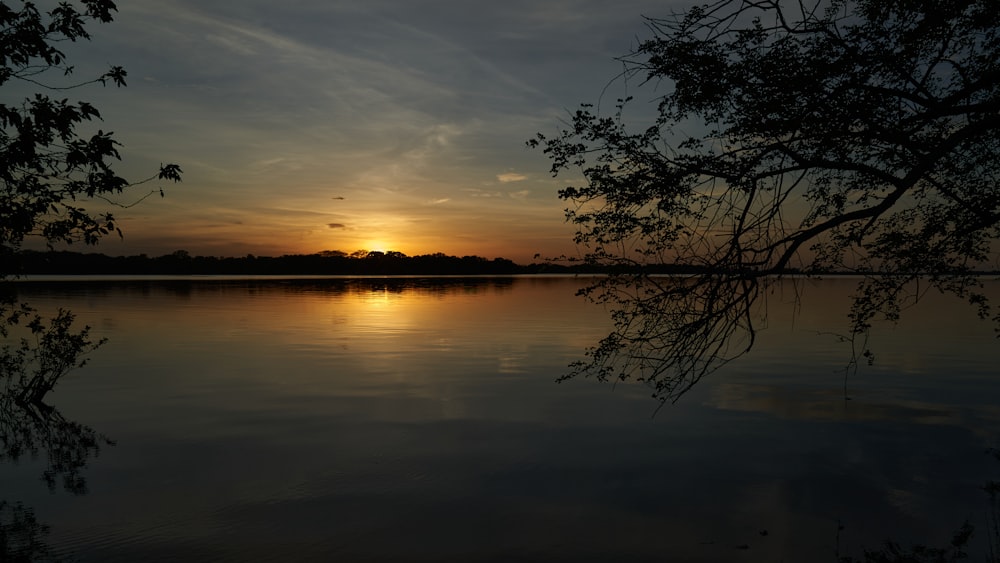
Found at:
[334, 263]
[329, 262]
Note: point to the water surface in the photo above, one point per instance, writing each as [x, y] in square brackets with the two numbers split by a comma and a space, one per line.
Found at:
[419, 420]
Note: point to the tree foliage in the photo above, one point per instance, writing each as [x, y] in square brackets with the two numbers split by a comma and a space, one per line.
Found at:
[49, 168]
[812, 137]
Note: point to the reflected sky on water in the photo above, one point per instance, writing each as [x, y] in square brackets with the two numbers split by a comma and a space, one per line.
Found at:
[383, 419]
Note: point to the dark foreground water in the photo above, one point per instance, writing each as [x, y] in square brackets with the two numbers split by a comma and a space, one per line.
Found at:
[418, 420]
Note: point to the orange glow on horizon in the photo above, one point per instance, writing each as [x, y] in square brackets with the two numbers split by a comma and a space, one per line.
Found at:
[380, 246]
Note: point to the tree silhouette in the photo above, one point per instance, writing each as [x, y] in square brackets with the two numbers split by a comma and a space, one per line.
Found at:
[812, 137]
[47, 167]
[49, 171]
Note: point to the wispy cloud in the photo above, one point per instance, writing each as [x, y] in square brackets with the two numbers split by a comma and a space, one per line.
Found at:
[337, 225]
[484, 194]
[508, 177]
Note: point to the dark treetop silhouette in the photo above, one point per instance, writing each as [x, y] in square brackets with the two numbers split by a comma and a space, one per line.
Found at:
[824, 136]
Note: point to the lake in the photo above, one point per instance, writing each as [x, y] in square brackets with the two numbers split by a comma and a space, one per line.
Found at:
[419, 420]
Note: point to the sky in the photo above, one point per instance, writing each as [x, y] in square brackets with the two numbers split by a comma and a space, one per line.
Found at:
[310, 125]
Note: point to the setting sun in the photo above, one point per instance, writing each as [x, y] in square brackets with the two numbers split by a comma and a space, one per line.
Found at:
[379, 246]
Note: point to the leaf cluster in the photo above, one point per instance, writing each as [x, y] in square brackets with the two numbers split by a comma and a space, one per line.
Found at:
[50, 168]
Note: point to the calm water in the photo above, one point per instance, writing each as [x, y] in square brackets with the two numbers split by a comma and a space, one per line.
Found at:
[416, 420]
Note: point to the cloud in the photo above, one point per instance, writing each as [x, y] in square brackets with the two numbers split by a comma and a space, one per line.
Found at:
[520, 195]
[511, 177]
[439, 201]
[475, 192]
[337, 226]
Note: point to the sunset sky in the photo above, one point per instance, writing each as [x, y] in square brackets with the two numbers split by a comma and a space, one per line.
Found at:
[354, 124]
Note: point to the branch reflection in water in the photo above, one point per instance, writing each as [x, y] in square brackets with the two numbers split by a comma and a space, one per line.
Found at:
[31, 429]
